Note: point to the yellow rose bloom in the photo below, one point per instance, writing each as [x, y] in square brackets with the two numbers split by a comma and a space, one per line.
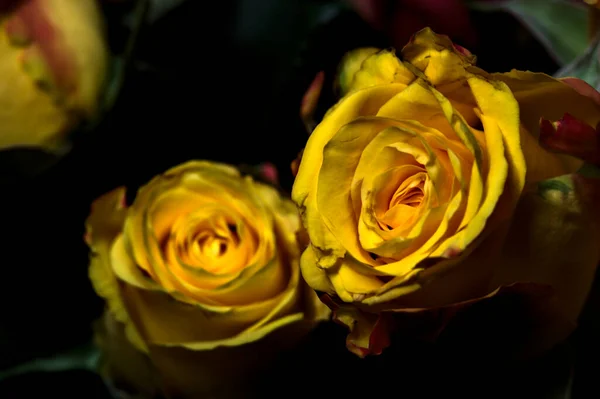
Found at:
[425, 188]
[53, 64]
[202, 270]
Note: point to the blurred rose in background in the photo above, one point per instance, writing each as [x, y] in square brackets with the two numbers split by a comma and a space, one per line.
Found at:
[53, 64]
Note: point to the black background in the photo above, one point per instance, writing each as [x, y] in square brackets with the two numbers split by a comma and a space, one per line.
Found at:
[223, 81]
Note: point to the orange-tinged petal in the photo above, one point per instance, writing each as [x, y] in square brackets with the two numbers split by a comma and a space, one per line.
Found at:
[410, 139]
[427, 240]
[387, 186]
[369, 333]
[334, 204]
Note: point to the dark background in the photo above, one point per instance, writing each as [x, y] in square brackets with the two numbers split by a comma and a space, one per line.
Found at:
[223, 81]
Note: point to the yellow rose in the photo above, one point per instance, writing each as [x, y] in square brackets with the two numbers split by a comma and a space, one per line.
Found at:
[425, 189]
[202, 270]
[53, 64]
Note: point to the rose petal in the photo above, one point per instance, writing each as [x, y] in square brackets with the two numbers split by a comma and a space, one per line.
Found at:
[362, 102]
[436, 56]
[583, 88]
[102, 227]
[535, 93]
[369, 333]
[379, 68]
[351, 63]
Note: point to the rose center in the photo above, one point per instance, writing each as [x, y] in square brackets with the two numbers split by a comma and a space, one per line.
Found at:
[212, 240]
[411, 195]
[211, 245]
[206, 239]
[404, 205]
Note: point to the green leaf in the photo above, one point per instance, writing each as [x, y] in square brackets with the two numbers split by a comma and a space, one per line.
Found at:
[85, 357]
[559, 25]
[585, 67]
